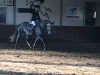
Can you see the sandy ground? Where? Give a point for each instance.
(31, 62)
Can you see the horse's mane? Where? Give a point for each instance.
(44, 23)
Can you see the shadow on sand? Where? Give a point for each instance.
(57, 45)
(20, 73)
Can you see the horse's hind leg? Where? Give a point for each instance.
(28, 42)
(17, 40)
(35, 42)
(43, 43)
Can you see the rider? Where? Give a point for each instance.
(35, 12)
(35, 15)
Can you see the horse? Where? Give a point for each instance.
(40, 31)
(24, 27)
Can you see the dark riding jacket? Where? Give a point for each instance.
(35, 16)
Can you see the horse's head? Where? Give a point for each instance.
(49, 27)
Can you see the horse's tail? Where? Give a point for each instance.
(12, 38)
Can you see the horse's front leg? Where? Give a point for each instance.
(43, 43)
(28, 42)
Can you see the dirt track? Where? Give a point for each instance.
(27, 62)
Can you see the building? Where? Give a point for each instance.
(76, 20)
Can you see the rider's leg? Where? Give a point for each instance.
(33, 23)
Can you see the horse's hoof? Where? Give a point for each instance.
(33, 48)
(44, 49)
(30, 48)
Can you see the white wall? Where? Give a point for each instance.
(68, 21)
(21, 17)
(9, 15)
(54, 5)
